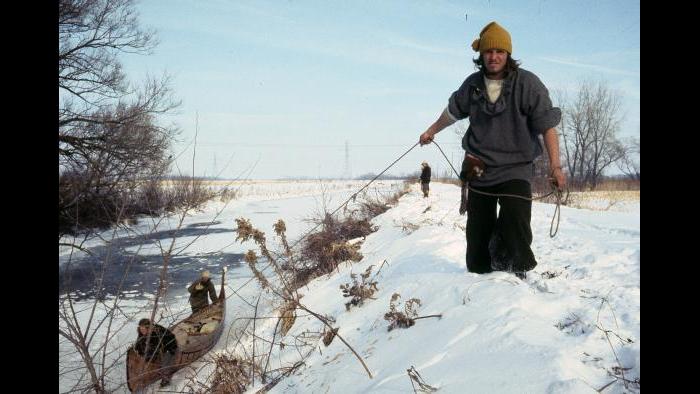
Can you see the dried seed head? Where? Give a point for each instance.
(251, 257)
(280, 227)
(244, 230)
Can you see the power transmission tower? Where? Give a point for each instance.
(346, 172)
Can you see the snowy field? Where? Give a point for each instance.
(571, 327)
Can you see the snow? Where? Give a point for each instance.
(497, 334)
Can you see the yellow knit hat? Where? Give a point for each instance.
(493, 36)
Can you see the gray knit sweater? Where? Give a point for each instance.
(504, 134)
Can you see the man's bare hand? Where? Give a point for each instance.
(559, 178)
(426, 138)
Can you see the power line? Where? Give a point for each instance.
(244, 145)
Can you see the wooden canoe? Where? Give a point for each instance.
(195, 335)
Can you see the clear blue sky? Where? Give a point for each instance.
(286, 83)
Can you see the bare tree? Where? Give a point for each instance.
(590, 125)
(109, 142)
(108, 135)
(629, 163)
(91, 34)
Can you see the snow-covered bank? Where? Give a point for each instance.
(497, 333)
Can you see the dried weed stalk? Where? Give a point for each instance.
(360, 291)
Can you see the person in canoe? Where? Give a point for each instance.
(200, 291)
(157, 343)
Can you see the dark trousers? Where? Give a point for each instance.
(198, 308)
(425, 187)
(500, 242)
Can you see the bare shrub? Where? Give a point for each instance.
(231, 375)
(227, 194)
(282, 287)
(190, 193)
(323, 251)
(403, 319)
(359, 291)
(408, 317)
(371, 207)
